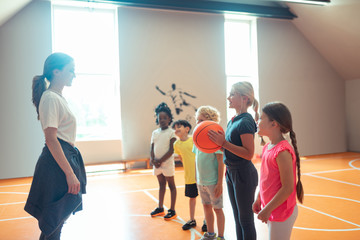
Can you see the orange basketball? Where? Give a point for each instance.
(201, 138)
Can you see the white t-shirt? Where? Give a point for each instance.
(54, 112)
(161, 140)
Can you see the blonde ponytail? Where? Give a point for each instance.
(256, 109)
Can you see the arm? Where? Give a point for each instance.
(245, 151)
(152, 154)
(168, 153)
(284, 161)
(257, 204)
(176, 151)
(219, 185)
(56, 151)
(157, 88)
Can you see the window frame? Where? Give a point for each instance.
(95, 131)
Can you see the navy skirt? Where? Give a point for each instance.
(48, 200)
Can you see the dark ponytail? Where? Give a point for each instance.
(280, 113)
(38, 87)
(299, 187)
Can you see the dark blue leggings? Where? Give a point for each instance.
(56, 234)
(53, 236)
(241, 187)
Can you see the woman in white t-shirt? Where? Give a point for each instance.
(59, 178)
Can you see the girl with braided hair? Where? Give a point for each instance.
(276, 201)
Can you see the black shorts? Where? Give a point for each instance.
(191, 190)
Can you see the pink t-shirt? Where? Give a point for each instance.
(270, 182)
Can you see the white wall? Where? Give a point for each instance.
(292, 71)
(94, 152)
(25, 42)
(353, 114)
(160, 48)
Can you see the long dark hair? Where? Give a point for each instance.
(278, 112)
(39, 85)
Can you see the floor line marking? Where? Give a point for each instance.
(148, 189)
(18, 185)
(116, 174)
(2, 204)
(14, 193)
(329, 196)
(329, 158)
(353, 184)
(329, 171)
(328, 230)
(135, 215)
(153, 198)
(329, 215)
(351, 163)
(182, 221)
(4, 220)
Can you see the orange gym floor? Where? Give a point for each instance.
(118, 204)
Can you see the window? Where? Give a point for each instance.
(240, 54)
(90, 36)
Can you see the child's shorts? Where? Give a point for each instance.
(191, 190)
(166, 171)
(207, 194)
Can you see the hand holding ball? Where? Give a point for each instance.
(201, 138)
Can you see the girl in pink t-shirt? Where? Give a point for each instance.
(276, 201)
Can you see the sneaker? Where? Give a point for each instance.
(207, 236)
(189, 224)
(157, 212)
(170, 215)
(204, 227)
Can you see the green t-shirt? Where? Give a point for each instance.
(206, 167)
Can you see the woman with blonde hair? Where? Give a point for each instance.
(238, 146)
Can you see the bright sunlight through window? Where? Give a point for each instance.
(90, 36)
(240, 54)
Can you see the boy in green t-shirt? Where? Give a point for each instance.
(209, 174)
(183, 147)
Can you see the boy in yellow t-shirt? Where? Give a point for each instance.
(183, 147)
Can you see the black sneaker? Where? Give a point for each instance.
(189, 224)
(170, 215)
(204, 227)
(157, 212)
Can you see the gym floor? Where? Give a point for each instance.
(118, 204)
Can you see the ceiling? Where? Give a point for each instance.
(10, 7)
(334, 29)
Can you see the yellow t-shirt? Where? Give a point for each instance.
(184, 149)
